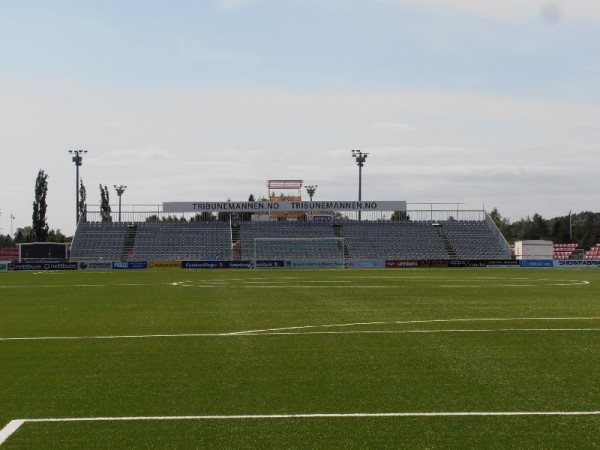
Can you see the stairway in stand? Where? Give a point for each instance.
(129, 243)
(452, 254)
(338, 232)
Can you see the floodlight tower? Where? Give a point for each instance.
(310, 190)
(12, 217)
(78, 160)
(120, 190)
(360, 158)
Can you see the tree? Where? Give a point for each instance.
(6, 241)
(82, 206)
(39, 224)
(502, 223)
(247, 216)
(203, 217)
(58, 236)
(399, 215)
(105, 205)
(24, 234)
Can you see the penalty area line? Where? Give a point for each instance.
(14, 425)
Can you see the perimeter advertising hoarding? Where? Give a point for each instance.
(130, 265)
(43, 266)
(216, 265)
(283, 206)
(4, 266)
(584, 263)
(365, 263)
(96, 265)
(407, 264)
(536, 263)
(164, 265)
(314, 264)
(466, 263)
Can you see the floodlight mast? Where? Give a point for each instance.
(360, 158)
(78, 160)
(12, 217)
(310, 190)
(120, 190)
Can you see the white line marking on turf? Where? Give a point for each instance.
(14, 425)
(408, 322)
(458, 330)
(9, 429)
(290, 330)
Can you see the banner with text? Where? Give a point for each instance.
(284, 206)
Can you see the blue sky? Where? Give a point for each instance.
(487, 103)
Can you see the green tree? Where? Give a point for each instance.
(560, 232)
(82, 206)
(105, 205)
(247, 216)
(6, 241)
(397, 216)
(57, 236)
(24, 234)
(203, 217)
(40, 224)
(502, 223)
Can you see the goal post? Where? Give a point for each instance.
(305, 252)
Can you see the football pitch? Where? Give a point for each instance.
(415, 358)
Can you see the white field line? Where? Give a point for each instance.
(329, 284)
(296, 329)
(14, 425)
(9, 429)
(409, 322)
(499, 330)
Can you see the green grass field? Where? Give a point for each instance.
(412, 358)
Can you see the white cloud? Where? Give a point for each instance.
(549, 11)
(233, 4)
(196, 52)
(214, 145)
(398, 127)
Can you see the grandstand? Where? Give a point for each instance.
(99, 241)
(339, 238)
(564, 251)
(285, 228)
(394, 240)
(9, 253)
(592, 253)
(203, 241)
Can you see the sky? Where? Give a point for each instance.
(484, 103)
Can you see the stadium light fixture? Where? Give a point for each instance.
(12, 217)
(360, 157)
(78, 160)
(120, 190)
(310, 190)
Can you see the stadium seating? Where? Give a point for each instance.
(97, 241)
(205, 241)
(393, 240)
(288, 240)
(563, 251)
(592, 253)
(474, 240)
(9, 253)
(300, 240)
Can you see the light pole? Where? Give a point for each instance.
(310, 190)
(11, 225)
(120, 189)
(78, 160)
(360, 158)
